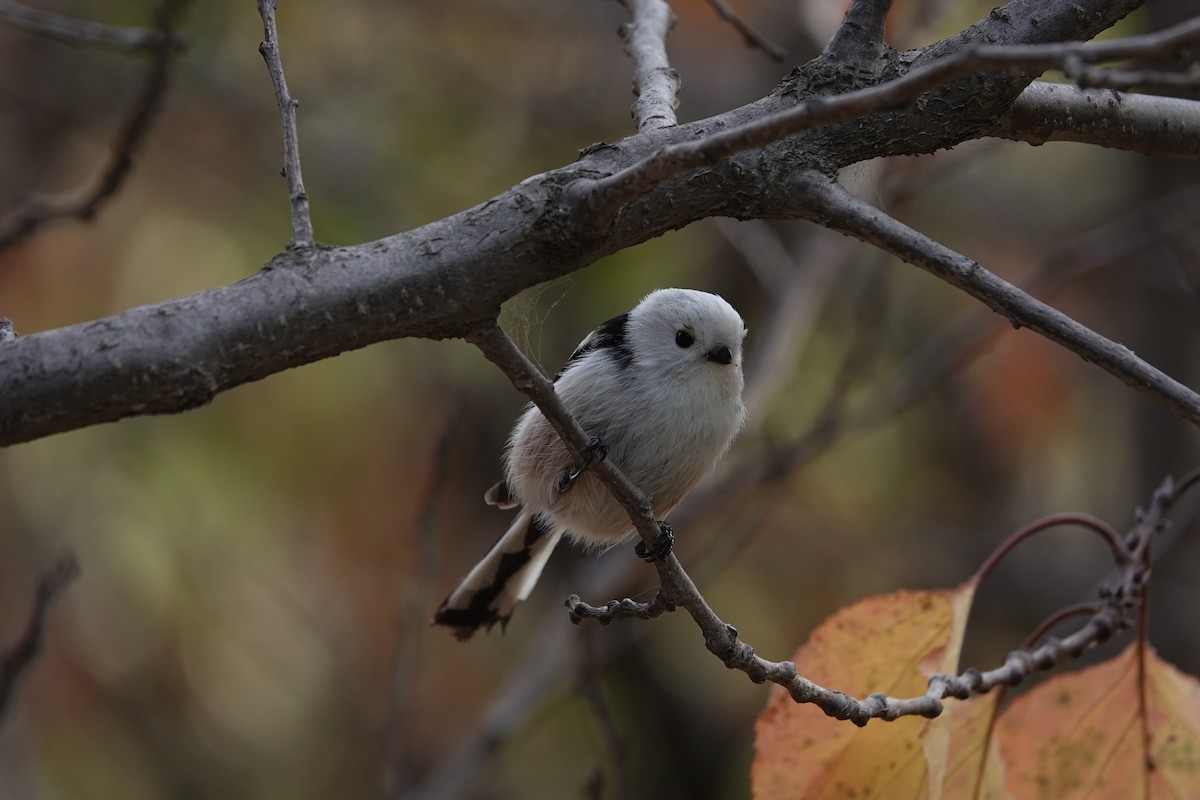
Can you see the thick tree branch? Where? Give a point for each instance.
(600, 199)
(858, 41)
(302, 230)
(446, 278)
(655, 83)
(1149, 124)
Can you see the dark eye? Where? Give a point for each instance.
(684, 338)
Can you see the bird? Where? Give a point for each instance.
(659, 391)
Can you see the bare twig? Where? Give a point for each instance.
(752, 36)
(498, 348)
(655, 83)
(842, 211)
(960, 341)
(31, 213)
(302, 230)
(678, 590)
(619, 609)
(86, 32)
(1117, 599)
(944, 353)
(17, 659)
(676, 587)
(600, 198)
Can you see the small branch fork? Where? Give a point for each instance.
(600, 199)
(17, 659)
(1117, 599)
(302, 230)
(859, 39)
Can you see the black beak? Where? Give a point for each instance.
(720, 354)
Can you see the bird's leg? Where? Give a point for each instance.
(661, 547)
(596, 451)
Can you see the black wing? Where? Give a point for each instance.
(611, 335)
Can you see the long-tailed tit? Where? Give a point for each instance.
(659, 389)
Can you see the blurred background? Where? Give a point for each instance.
(257, 576)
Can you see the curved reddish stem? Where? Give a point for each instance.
(1087, 521)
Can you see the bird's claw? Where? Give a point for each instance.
(596, 451)
(663, 543)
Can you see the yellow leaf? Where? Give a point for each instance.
(880, 644)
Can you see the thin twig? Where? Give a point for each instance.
(842, 211)
(85, 32)
(302, 230)
(721, 639)
(1117, 599)
(16, 660)
(31, 213)
(498, 348)
(619, 609)
(655, 83)
(944, 353)
(752, 36)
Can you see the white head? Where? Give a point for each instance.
(685, 331)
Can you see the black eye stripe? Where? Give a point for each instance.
(684, 338)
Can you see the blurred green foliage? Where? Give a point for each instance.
(252, 617)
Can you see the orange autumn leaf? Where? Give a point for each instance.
(1102, 733)
(888, 644)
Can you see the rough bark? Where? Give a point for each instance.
(446, 278)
